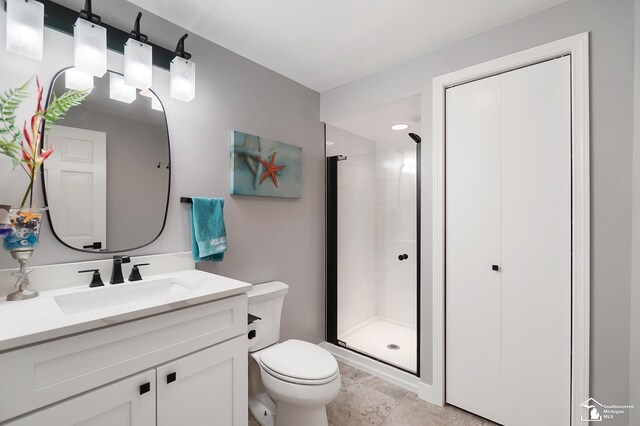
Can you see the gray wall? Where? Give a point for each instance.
(269, 239)
(634, 361)
(611, 27)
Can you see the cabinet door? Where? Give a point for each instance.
(129, 402)
(208, 387)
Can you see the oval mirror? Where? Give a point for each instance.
(107, 182)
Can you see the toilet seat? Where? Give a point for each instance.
(299, 362)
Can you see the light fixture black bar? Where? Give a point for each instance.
(180, 48)
(61, 18)
(136, 34)
(88, 15)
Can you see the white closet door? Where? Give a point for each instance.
(508, 203)
(536, 243)
(473, 245)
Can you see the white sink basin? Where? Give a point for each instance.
(121, 295)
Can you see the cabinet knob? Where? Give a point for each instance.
(495, 268)
(144, 388)
(171, 378)
(403, 256)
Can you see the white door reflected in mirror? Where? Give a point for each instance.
(76, 179)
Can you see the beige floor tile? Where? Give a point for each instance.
(367, 400)
(412, 411)
(358, 404)
(385, 387)
(354, 374)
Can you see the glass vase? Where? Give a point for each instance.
(21, 241)
(25, 228)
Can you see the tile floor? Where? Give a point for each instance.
(368, 400)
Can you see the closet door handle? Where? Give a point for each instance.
(495, 268)
(171, 378)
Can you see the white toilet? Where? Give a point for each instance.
(290, 383)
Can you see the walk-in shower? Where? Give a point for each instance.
(373, 246)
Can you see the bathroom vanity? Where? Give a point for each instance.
(169, 350)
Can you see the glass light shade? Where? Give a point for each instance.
(25, 28)
(77, 80)
(137, 64)
(90, 48)
(183, 79)
(119, 90)
(147, 93)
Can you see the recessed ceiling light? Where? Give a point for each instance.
(330, 143)
(399, 126)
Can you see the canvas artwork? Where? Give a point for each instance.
(265, 167)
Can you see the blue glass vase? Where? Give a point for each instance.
(24, 229)
(21, 241)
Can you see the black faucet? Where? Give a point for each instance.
(116, 272)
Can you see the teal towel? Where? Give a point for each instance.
(208, 234)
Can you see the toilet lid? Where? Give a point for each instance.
(300, 360)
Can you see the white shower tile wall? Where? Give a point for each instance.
(396, 213)
(376, 223)
(356, 227)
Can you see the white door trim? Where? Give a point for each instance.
(578, 47)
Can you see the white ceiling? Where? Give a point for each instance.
(373, 123)
(326, 43)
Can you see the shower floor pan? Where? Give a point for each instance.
(380, 337)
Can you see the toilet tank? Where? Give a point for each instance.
(265, 301)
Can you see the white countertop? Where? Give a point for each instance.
(36, 320)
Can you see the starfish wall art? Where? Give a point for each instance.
(265, 167)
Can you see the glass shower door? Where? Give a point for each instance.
(376, 251)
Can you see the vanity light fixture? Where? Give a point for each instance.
(119, 90)
(78, 80)
(147, 93)
(183, 74)
(138, 59)
(25, 28)
(399, 126)
(90, 43)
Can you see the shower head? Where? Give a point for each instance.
(415, 137)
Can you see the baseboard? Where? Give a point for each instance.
(425, 393)
(386, 372)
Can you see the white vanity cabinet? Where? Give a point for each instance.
(123, 403)
(187, 366)
(205, 388)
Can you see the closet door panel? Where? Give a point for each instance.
(536, 243)
(473, 245)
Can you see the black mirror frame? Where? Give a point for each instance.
(44, 187)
